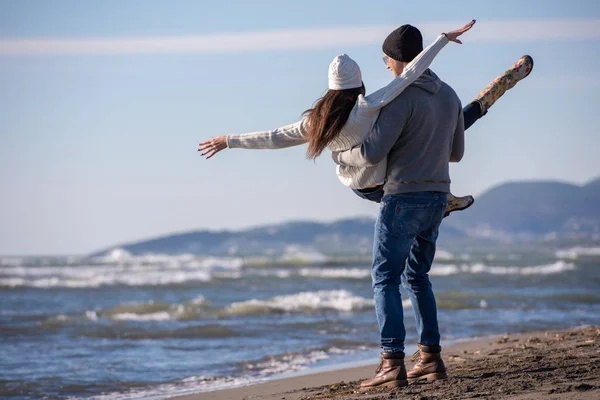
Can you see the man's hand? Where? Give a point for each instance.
(213, 146)
(453, 35)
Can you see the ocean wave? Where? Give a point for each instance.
(157, 316)
(250, 372)
(336, 273)
(286, 363)
(190, 332)
(150, 270)
(443, 255)
(270, 272)
(325, 300)
(153, 311)
(577, 252)
(303, 302)
(180, 387)
(302, 255)
(11, 261)
(480, 268)
(341, 301)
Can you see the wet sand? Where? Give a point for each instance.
(541, 365)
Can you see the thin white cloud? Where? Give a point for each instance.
(294, 39)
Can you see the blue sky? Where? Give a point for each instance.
(99, 126)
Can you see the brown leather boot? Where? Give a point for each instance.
(429, 364)
(390, 373)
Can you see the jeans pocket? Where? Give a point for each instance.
(409, 219)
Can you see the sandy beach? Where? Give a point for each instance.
(538, 365)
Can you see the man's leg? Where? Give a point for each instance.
(416, 281)
(399, 221)
(390, 251)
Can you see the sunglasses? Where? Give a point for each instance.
(386, 60)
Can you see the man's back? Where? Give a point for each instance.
(426, 121)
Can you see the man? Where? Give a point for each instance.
(421, 131)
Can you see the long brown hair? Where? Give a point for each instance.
(327, 118)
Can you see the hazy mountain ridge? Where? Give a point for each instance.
(535, 209)
(520, 211)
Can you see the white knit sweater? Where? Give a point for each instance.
(359, 124)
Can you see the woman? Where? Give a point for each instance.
(343, 117)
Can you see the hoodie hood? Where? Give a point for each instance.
(429, 82)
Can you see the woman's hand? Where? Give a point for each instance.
(453, 35)
(213, 146)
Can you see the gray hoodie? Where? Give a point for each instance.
(421, 131)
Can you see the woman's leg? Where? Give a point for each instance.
(471, 113)
(479, 107)
(488, 96)
(519, 71)
(373, 194)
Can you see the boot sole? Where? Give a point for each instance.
(459, 208)
(391, 384)
(430, 377)
(530, 61)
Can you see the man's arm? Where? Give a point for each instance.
(379, 142)
(458, 140)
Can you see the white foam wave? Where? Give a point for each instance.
(337, 300)
(182, 387)
(576, 252)
(443, 255)
(153, 311)
(272, 272)
(350, 273)
(137, 271)
(11, 261)
(480, 268)
(157, 316)
(254, 372)
(304, 302)
(303, 255)
(121, 256)
(287, 363)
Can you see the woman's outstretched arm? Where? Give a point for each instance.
(414, 69)
(280, 138)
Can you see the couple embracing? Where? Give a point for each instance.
(394, 147)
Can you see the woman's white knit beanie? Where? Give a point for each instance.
(344, 73)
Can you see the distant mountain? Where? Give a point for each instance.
(345, 237)
(533, 209)
(510, 212)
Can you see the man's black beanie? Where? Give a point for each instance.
(403, 44)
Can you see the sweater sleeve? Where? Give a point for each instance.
(286, 136)
(413, 70)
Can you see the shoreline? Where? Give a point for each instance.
(563, 364)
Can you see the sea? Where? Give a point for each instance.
(125, 326)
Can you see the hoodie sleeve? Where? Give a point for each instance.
(381, 139)
(458, 140)
(280, 138)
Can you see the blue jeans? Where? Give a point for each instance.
(404, 245)
(471, 113)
